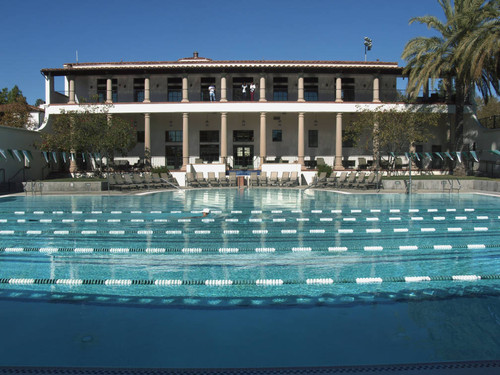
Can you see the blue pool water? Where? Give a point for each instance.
(270, 278)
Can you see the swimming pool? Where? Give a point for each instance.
(272, 277)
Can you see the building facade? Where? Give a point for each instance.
(261, 112)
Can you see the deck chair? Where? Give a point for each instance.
(370, 182)
(331, 181)
(149, 181)
(116, 183)
(320, 161)
(201, 180)
(320, 180)
(159, 181)
(263, 179)
(285, 178)
(362, 163)
(293, 180)
(130, 183)
(349, 181)
(232, 179)
(339, 180)
(191, 181)
(360, 179)
(222, 179)
(139, 180)
(212, 180)
(273, 179)
(254, 179)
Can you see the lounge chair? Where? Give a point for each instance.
(139, 180)
(212, 180)
(201, 180)
(285, 178)
(370, 182)
(320, 181)
(116, 183)
(349, 181)
(362, 164)
(233, 181)
(320, 161)
(191, 181)
(339, 180)
(222, 179)
(360, 179)
(130, 183)
(254, 179)
(293, 180)
(263, 179)
(273, 179)
(149, 181)
(160, 182)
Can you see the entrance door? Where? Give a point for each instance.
(173, 155)
(243, 156)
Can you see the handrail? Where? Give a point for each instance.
(15, 175)
(168, 182)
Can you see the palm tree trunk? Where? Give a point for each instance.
(458, 139)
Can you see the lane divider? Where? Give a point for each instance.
(191, 250)
(258, 282)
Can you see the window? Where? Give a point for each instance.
(348, 94)
(206, 82)
(211, 136)
(237, 89)
(209, 152)
(138, 89)
(311, 89)
(141, 136)
(313, 138)
(243, 136)
(173, 136)
(174, 89)
(102, 89)
(277, 135)
(280, 89)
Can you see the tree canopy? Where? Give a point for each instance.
(90, 129)
(393, 130)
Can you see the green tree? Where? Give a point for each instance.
(448, 55)
(90, 129)
(393, 130)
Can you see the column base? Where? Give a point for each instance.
(339, 101)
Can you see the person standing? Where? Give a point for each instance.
(252, 91)
(211, 90)
(244, 90)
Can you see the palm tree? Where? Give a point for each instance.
(450, 55)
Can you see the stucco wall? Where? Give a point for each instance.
(11, 169)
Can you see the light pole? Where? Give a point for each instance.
(368, 45)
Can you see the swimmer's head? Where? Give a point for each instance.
(205, 211)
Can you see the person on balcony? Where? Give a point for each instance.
(252, 91)
(244, 91)
(211, 90)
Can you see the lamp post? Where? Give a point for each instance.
(368, 45)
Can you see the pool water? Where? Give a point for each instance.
(271, 277)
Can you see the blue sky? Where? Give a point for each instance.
(47, 34)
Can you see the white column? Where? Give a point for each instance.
(147, 132)
(146, 91)
(300, 85)
(49, 88)
(71, 90)
(263, 145)
(184, 90)
(262, 88)
(376, 90)
(185, 140)
(338, 143)
(301, 139)
(223, 89)
(223, 137)
(109, 91)
(338, 90)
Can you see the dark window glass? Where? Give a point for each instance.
(141, 136)
(209, 152)
(311, 89)
(243, 136)
(138, 89)
(313, 138)
(347, 142)
(102, 87)
(280, 88)
(174, 89)
(277, 135)
(348, 93)
(211, 136)
(173, 136)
